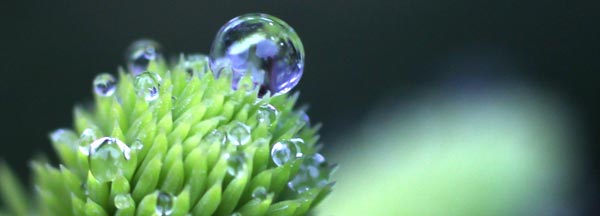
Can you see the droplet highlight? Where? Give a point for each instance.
(105, 85)
(236, 163)
(195, 65)
(313, 173)
(263, 46)
(147, 85)
(164, 204)
(140, 53)
(88, 136)
(123, 201)
(215, 136)
(108, 156)
(267, 114)
(238, 134)
(286, 150)
(260, 193)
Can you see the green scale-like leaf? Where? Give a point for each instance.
(171, 154)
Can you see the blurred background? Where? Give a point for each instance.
(430, 107)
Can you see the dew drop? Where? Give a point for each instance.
(105, 85)
(238, 134)
(123, 201)
(236, 214)
(262, 45)
(286, 150)
(313, 173)
(108, 156)
(140, 53)
(236, 163)
(195, 64)
(215, 136)
(164, 204)
(267, 113)
(260, 193)
(88, 136)
(147, 85)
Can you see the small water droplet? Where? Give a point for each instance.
(147, 85)
(123, 201)
(236, 163)
(267, 113)
(105, 85)
(286, 150)
(260, 193)
(140, 53)
(262, 45)
(313, 173)
(107, 158)
(88, 136)
(195, 64)
(215, 136)
(137, 145)
(236, 214)
(238, 134)
(164, 204)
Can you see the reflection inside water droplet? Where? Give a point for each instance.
(262, 45)
(140, 53)
(105, 85)
(108, 156)
(164, 204)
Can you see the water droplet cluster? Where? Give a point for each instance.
(245, 131)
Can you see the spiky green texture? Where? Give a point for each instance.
(175, 158)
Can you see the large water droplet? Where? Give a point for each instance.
(140, 53)
(108, 156)
(313, 173)
(267, 113)
(286, 150)
(238, 134)
(236, 214)
(88, 136)
(123, 201)
(147, 85)
(164, 204)
(260, 193)
(262, 45)
(215, 136)
(105, 85)
(195, 64)
(236, 163)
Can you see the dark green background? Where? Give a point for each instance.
(358, 54)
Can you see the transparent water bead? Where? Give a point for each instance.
(140, 53)
(105, 85)
(88, 136)
(238, 134)
(286, 150)
(123, 201)
(312, 173)
(260, 193)
(195, 64)
(262, 45)
(215, 136)
(107, 158)
(147, 85)
(236, 163)
(267, 113)
(164, 204)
